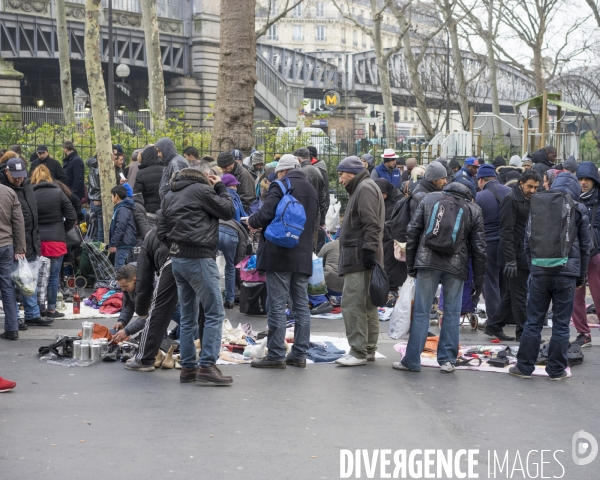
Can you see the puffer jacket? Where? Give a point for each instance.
(94, 193)
(315, 178)
(123, 232)
(472, 245)
(172, 161)
(147, 180)
(586, 170)
(579, 255)
(56, 214)
(191, 212)
(504, 170)
(152, 257)
(363, 224)
(489, 200)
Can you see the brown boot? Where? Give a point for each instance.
(188, 375)
(212, 375)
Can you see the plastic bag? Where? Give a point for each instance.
(43, 278)
(399, 251)
(332, 218)
(402, 313)
(379, 286)
(316, 283)
(25, 276)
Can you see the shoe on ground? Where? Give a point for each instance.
(132, 364)
(584, 340)
(39, 322)
(500, 335)
(10, 335)
(562, 376)
(447, 368)
(295, 361)
(213, 375)
(43, 313)
(371, 357)
(228, 305)
(399, 366)
(55, 314)
(6, 385)
(351, 361)
(515, 372)
(266, 362)
(188, 375)
(22, 326)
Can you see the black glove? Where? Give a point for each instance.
(475, 294)
(580, 282)
(368, 258)
(510, 269)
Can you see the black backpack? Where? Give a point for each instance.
(397, 225)
(552, 229)
(445, 231)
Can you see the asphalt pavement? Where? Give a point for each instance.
(103, 421)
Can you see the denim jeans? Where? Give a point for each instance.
(122, 256)
(198, 282)
(543, 289)
(7, 289)
(30, 305)
(425, 290)
(54, 280)
(280, 287)
(97, 210)
(228, 242)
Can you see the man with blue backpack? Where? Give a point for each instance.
(287, 218)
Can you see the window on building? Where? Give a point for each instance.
(354, 37)
(364, 40)
(297, 11)
(297, 33)
(273, 7)
(272, 33)
(320, 33)
(320, 8)
(343, 35)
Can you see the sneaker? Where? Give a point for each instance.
(39, 322)
(584, 340)
(371, 357)
(399, 366)
(6, 385)
(295, 361)
(266, 362)
(228, 305)
(447, 368)
(188, 375)
(22, 326)
(44, 313)
(131, 364)
(213, 375)
(55, 314)
(10, 335)
(515, 372)
(350, 361)
(562, 376)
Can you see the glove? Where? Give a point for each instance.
(475, 294)
(368, 258)
(510, 269)
(580, 282)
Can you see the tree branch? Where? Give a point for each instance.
(270, 22)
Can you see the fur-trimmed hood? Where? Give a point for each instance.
(508, 168)
(187, 176)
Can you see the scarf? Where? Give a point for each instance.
(237, 205)
(587, 195)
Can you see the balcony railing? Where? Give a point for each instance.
(171, 9)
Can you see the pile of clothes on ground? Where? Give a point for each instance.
(108, 300)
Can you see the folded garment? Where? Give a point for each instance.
(325, 352)
(315, 300)
(112, 304)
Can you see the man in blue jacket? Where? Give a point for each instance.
(489, 199)
(388, 169)
(560, 289)
(469, 169)
(123, 233)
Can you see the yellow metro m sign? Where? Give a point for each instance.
(332, 100)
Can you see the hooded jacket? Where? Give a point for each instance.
(245, 189)
(30, 214)
(541, 164)
(75, 172)
(370, 161)
(502, 171)
(55, 168)
(56, 214)
(589, 170)
(514, 213)
(454, 163)
(148, 178)
(141, 220)
(499, 161)
(363, 224)
(123, 232)
(94, 193)
(472, 245)
(191, 211)
(315, 178)
(579, 255)
(172, 161)
(489, 200)
(391, 175)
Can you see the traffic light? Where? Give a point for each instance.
(396, 117)
(377, 114)
(384, 118)
(373, 113)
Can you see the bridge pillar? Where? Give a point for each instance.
(10, 91)
(185, 94)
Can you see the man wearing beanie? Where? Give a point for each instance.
(494, 286)
(361, 237)
(257, 163)
(226, 161)
(454, 165)
(288, 269)
(434, 181)
(570, 164)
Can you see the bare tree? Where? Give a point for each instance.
(595, 10)
(156, 79)
(62, 35)
(273, 9)
(99, 106)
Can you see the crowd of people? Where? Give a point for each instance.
(466, 225)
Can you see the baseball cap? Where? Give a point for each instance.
(42, 148)
(17, 167)
(472, 161)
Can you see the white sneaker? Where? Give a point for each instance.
(399, 366)
(447, 368)
(351, 361)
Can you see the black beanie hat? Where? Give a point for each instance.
(225, 159)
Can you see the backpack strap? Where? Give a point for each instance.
(495, 195)
(283, 189)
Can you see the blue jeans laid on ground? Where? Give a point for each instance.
(425, 290)
(7, 289)
(122, 256)
(30, 305)
(198, 282)
(54, 280)
(228, 242)
(280, 287)
(542, 289)
(97, 210)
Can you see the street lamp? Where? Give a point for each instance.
(40, 103)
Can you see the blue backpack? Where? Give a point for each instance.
(288, 224)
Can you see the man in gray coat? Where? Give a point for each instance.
(361, 245)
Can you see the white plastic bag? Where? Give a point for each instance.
(316, 283)
(402, 313)
(332, 219)
(25, 276)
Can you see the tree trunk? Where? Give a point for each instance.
(99, 105)
(463, 100)
(234, 105)
(489, 42)
(156, 81)
(66, 89)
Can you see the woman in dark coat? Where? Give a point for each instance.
(147, 180)
(395, 270)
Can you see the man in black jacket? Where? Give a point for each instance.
(147, 182)
(74, 170)
(543, 160)
(288, 269)
(190, 225)
(435, 179)
(514, 212)
(44, 158)
(315, 178)
(430, 267)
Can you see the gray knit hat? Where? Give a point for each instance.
(351, 165)
(570, 164)
(435, 171)
(257, 157)
(287, 162)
